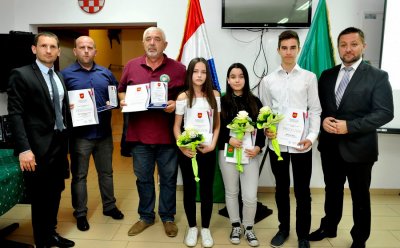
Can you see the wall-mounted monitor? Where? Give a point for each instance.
(266, 13)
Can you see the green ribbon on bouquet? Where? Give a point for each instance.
(275, 143)
(240, 125)
(239, 166)
(195, 166)
(190, 138)
(267, 119)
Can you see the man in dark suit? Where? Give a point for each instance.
(38, 109)
(348, 140)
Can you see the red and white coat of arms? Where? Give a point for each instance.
(91, 6)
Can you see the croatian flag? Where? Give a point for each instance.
(195, 41)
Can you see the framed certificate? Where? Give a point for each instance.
(112, 95)
(158, 95)
(113, 100)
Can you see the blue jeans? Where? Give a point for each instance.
(102, 150)
(145, 158)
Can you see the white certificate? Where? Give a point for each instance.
(136, 98)
(84, 111)
(291, 128)
(248, 142)
(158, 95)
(202, 121)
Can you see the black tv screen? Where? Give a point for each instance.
(266, 13)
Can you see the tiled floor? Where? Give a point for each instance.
(108, 233)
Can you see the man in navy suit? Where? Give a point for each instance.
(348, 140)
(35, 94)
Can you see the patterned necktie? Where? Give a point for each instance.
(56, 102)
(343, 84)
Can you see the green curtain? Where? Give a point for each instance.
(317, 53)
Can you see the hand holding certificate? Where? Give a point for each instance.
(240, 125)
(291, 128)
(190, 138)
(267, 119)
(136, 98)
(112, 96)
(84, 111)
(202, 121)
(158, 95)
(141, 97)
(231, 154)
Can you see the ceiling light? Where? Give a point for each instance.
(305, 6)
(284, 20)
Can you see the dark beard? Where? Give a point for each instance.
(352, 61)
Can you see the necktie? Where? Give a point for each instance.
(56, 102)
(343, 84)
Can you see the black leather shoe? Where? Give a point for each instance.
(279, 238)
(320, 234)
(58, 241)
(303, 243)
(114, 213)
(357, 245)
(82, 223)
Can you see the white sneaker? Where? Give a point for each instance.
(206, 238)
(235, 235)
(251, 237)
(191, 237)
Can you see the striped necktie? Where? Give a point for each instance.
(343, 84)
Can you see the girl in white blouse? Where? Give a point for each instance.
(199, 107)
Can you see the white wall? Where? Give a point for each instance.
(228, 46)
(7, 16)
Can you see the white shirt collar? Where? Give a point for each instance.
(295, 68)
(44, 69)
(354, 65)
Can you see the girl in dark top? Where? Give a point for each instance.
(239, 97)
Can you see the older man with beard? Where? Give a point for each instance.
(150, 132)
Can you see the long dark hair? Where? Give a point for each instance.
(248, 97)
(207, 88)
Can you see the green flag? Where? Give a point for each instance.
(317, 53)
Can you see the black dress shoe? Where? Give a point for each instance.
(82, 223)
(58, 241)
(357, 245)
(279, 238)
(114, 213)
(303, 243)
(320, 234)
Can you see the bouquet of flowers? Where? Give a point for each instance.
(240, 125)
(267, 119)
(190, 138)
